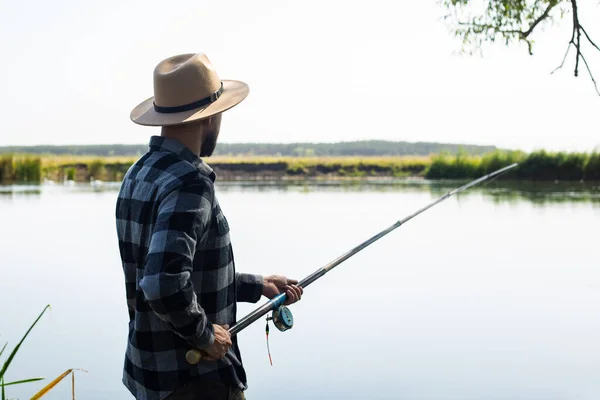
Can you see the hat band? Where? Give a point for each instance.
(187, 107)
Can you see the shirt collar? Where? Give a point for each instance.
(162, 143)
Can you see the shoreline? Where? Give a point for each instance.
(537, 166)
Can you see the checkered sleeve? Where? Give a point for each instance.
(181, 221)
(248, 287)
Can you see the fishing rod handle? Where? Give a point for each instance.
(194, 356)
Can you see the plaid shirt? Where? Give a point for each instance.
(179, 272)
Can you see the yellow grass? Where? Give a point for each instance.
(56, 161)
(55, 382)
(49, 160)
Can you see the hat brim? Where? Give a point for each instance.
(233, 93)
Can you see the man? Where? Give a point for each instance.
(180, 276)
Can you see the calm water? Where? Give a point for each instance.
(494, 294)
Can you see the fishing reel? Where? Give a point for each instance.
(282, 318)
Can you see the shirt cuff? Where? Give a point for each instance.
(249, 287)
(206, 338)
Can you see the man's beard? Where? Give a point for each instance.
(208, 144)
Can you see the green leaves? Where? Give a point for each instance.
(12, 356)
(23, 381)
(511, 20)
(18, 346)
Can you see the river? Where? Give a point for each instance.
(493, 294)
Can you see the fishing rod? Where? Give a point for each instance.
(282, 316)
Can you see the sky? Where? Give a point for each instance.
(320, 71)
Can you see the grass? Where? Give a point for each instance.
(12, 355)
(539, 165)
(85, 168)
(592, 168)
(20, 168)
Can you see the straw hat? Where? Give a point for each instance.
(187, 88)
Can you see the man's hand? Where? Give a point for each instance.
(220, 346)
(277, 284)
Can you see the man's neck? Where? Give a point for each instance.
(188, 137)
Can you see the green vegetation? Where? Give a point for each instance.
(20, 168)
(6, 168)
(540, 165)
(514, 21)
(320, 166)
(462, 166)
(84, 169)
(592, 168)
(10, 358)
(28, 169)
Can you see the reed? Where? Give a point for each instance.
(538, 165)
(20, 168)
(498, 159)
(28, 169)
(6, 168)
(591, 171)
(12, 355)
(460, 166)
(543, 165)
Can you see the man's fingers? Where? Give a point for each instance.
(298, 292)
(294, 294)
(290, 297)
(292, 281)
(208, 357)
(215, 354)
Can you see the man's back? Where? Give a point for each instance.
(179, 272)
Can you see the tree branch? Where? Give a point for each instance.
(523, 34)
(588, 38)
(540, 19)
(490, 26)
(591, 76)
(577, 43)
(496, 23)
(563, 61)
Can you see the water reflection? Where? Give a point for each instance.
(538, 193)
(10, 190)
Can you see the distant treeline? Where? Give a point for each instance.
(358, 148)
(539, 165)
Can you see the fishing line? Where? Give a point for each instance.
(268, 349)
